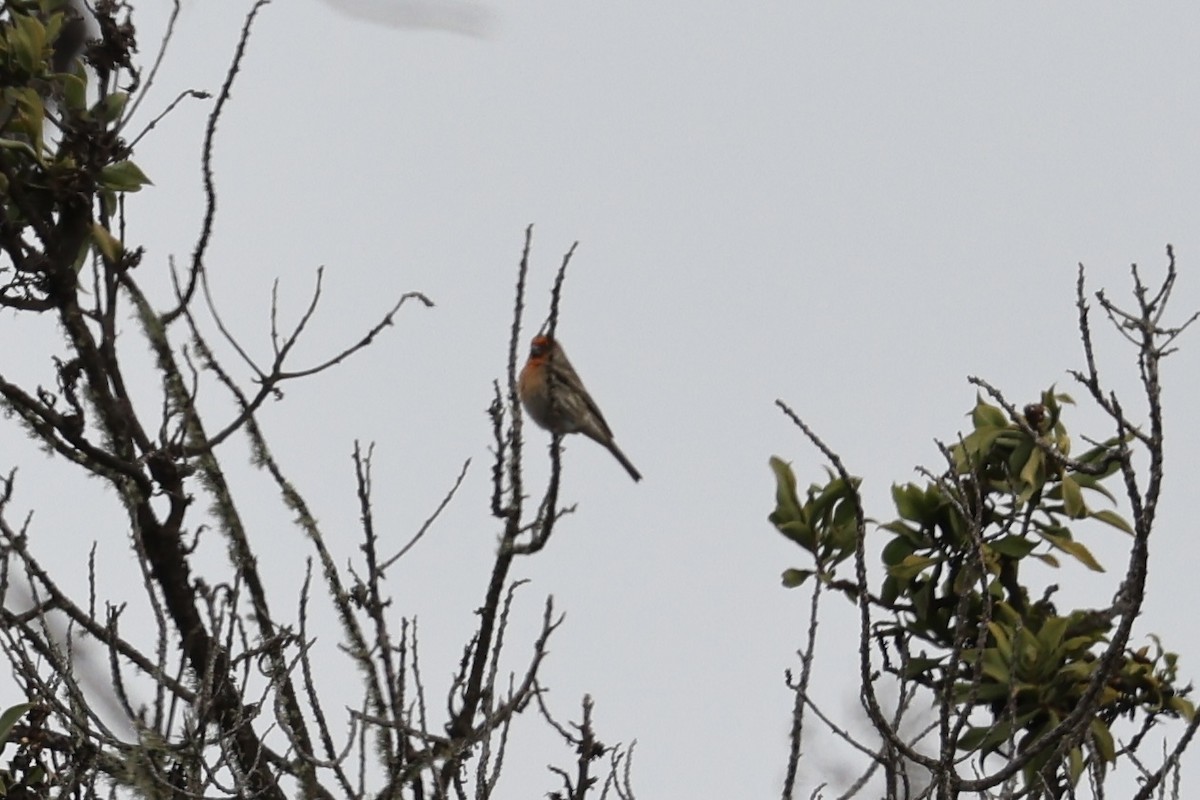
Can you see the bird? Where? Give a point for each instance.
(554, 396)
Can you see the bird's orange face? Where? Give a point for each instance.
(540, 347)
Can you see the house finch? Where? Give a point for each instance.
(557, 400)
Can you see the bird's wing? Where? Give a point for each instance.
(571, 380)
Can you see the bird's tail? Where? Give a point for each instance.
(625, 462)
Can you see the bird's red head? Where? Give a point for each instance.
(541, 346)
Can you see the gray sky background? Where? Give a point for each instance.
(848, 206)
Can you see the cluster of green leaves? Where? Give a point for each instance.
(824, 524)
(953, 584)
(1036, 669)
(60, 142)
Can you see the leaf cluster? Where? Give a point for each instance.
(956, 597)
(61, 145)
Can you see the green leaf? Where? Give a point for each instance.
(1183, 707)
(26, 41)
(1075, 762)
(987, 416)
(53, 25)
(1073, 498)
(1079, 671)
(972, 738)
(787, 503)
(75, 91)
(996, 666)
(124, 176)
(911, 566)
(845, 510)
(986, 692)
(919, 665)
(896, 551)
(1114, 519)
(1013, 546)
(1046, 558)
(800, 533)
(108, 198)
(840, 541)
(1102, 740)
(985, 739)
(113, 106)
(31, 114)
(1002, 638)
(976, 447)
(822, 498)
(1076, 549)
(1031, 470)
(909, 500)
(906, 531)
(1051, 634)
(108, 245)
(18, 144)
(890, 590)
(85, 250)
(1006, 614)
(794, 577)
(1025, 647)
(10, 717)
(1092, 483)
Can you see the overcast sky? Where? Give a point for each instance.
(851, 207)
